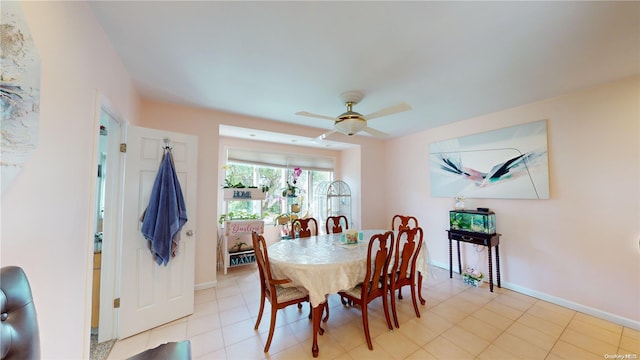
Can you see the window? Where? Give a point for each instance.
(275, 179)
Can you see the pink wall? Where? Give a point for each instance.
(580, 248)
(47, 222)
(374, 186)
(351, 171)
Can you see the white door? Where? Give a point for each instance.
(152, 294)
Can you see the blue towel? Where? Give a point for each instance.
(166, 213)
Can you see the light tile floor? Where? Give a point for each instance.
(457, 322)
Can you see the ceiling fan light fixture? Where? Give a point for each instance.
(351, 122)
(350, 125)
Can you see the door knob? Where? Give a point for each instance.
(189, 232)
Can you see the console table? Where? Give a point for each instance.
(488, 240)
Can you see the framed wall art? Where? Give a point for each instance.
(19, 92)
(508, 163)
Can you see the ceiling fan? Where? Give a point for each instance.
(351, 122)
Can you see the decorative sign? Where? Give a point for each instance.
(244, 194)
(241, 259)
(241, 194)
(233, 227)
(19, 92)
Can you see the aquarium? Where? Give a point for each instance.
(473, 221)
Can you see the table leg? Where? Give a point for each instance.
(498, 264)
(450, 260)
(316, 317)
(459, 262)
(490, 270)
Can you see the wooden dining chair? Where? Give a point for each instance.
(376, 280)
(403, 273)
(336, 224)
(304, 227)
(399, 222)
(271, 289)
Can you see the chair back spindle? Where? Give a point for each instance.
(336, 224)
(305, 227)
(404, 271)
(399, 222)
(374, 284)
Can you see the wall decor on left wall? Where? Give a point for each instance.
(19, 92)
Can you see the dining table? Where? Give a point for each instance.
(323, 265)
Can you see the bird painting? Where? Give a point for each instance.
(512, 168)
(507, 163)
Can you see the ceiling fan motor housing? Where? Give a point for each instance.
(353, 96)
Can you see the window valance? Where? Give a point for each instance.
(277, 159)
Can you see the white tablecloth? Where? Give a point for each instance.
(323, 265)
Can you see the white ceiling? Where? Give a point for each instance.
(449, 60)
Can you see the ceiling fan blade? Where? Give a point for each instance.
(388, 111)
(374, 132)
(304, 113)
(324, 136)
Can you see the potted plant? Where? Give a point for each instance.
(292, 190)
(242, 215)
(239, 246)
(281, 219)
(230, 181)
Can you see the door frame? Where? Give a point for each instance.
(112, 225)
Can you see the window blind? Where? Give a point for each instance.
(276, 159)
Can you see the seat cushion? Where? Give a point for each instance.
(284, 294)
(355, 291)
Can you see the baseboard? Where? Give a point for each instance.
(574, 306)
(562, 302)
(440, 265)
(207, 285)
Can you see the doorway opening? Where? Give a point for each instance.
(105, 233)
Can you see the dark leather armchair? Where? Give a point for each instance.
(19, 334)
(169, 351)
